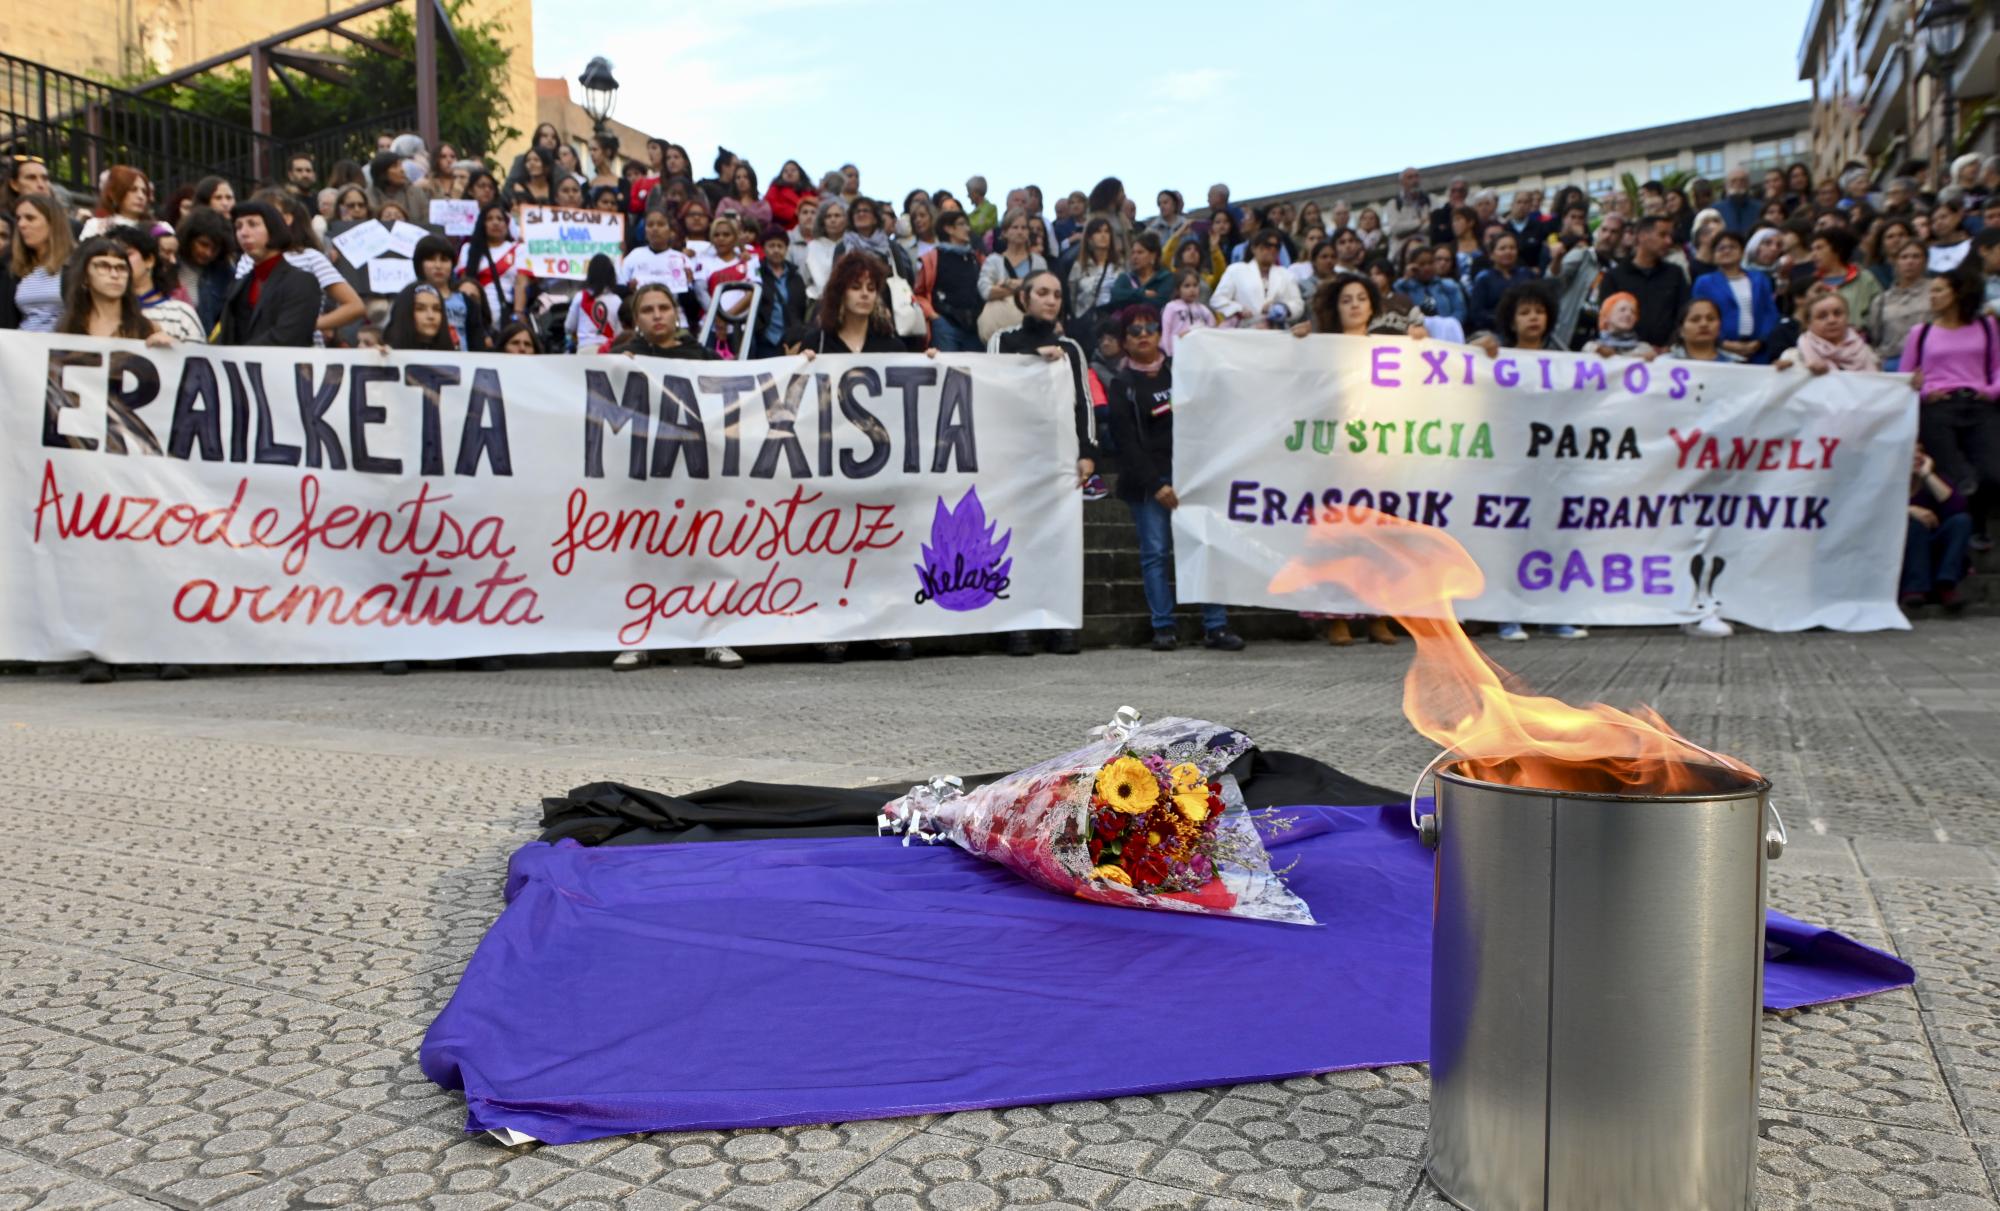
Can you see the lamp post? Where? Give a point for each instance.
(600, 91)
(1942, 24)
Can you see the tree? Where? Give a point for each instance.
(472, 100)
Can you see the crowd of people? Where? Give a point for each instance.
(1783, 270)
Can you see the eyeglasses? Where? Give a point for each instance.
(110, 266)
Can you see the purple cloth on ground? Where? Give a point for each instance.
(763, 983)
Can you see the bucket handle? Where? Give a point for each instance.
(1426, 824)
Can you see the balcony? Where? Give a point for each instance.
(1885, 107)
(1882, 27)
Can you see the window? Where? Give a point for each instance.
(1708, 163)
(1600, 180)
(1660, 169)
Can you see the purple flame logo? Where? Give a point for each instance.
(964, 567)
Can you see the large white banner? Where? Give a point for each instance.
(273, 506)
(1588, 490)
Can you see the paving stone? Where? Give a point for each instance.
(233, 905)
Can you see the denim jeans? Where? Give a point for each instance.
(950, 338)
(1936, 558)
(1156, 537)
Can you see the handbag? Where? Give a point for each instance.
(998, 314)
(909, 317)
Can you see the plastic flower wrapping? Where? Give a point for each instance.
(1145, 816)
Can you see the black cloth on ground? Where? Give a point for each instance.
(611, 813)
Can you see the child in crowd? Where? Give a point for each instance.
(1940, 533)
(1830, 342)
(1185, 313)
(1618, 329)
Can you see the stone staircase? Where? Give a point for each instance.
(1114, 597)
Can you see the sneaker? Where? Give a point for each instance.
(1563, 630)
(96, 672)
(1981, 542)
(173, 672)
(395, 668)
(900, 649)
(721, 658)
(1064, 644)
(1020, 643)
(625, 662)
(1710, 627)
(1165, 641)
(1949, 598)
(1222, 640)
(1094, 489)
(832, 653)
(1513, 632)
(1913, 601)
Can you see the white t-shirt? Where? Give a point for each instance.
(504, 288)
(1746, 323)
(1946, 257)
(669, 265)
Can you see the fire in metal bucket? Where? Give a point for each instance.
(1470, 706)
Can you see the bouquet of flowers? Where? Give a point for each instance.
(1143, 816)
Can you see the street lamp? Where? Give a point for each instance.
(1942, 23)
(600, 91)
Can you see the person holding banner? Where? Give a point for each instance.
(417, 321)
(464, 306)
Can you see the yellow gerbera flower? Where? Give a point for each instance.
(1128, 786)
(1111, 874)
(1187, 777)
(1193, 804)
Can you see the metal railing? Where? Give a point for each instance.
(82, 127)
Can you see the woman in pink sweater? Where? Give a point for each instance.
(1954, 363)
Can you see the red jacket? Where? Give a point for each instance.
(784, 202)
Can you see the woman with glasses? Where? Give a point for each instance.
(100, 302)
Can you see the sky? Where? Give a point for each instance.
(1064, 94)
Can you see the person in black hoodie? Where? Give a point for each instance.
(276, 303)
(1142, 430)
(656, 327)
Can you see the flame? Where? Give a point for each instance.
(1471, 706)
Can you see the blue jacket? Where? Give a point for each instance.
(1487, 288)
(1739, 214)
(1763, 307)
(1446, 296)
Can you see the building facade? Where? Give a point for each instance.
(1770, 137)
(1880, 98)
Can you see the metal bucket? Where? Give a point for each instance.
(1597, 978)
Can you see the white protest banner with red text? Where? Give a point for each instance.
(266, 506)
(1589, 490)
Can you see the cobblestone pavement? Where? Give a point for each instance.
(232, 905)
